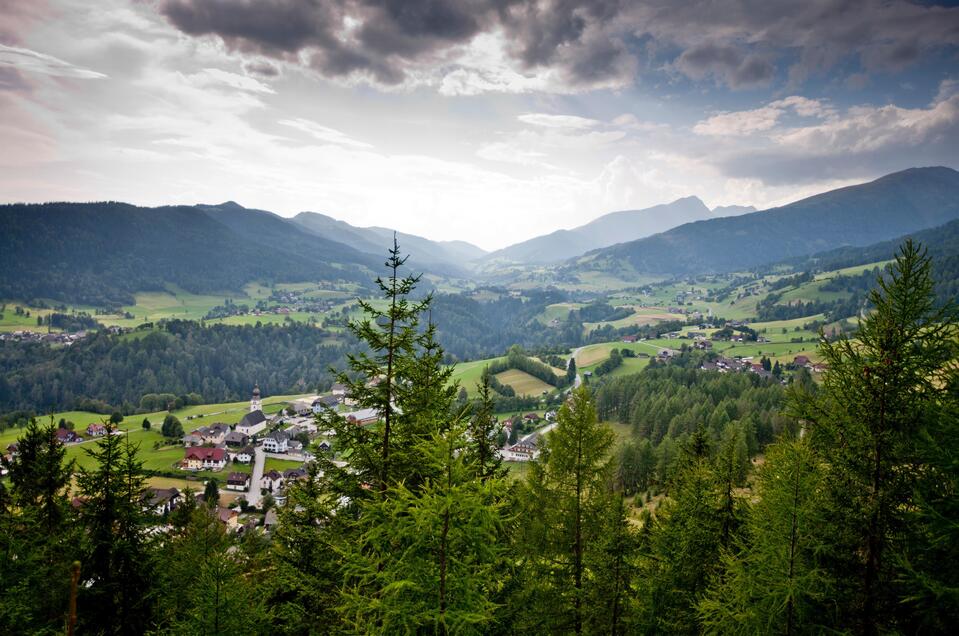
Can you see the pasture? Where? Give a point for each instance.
(523, 383)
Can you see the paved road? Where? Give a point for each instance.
(259, 460)
(579, 378)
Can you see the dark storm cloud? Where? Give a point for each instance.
(261, 68)
(735, 42)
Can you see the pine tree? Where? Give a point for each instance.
(376, 381)
(771, 581)
(115, 568)
(482, 434)
(878, 399)
(566, 504)
(38, 540)
(426, 560)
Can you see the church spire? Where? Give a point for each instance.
(255, 404)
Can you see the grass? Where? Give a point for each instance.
(592, 355)
(643, 316)
(273, 463)
(523, 383)
(469, 373)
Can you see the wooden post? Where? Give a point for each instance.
(74, 579)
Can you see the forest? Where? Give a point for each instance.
(733, 506)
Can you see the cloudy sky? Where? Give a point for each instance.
(485, 120)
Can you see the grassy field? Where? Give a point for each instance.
(558, 311)
(523, 383)
(592, 355)
(469, 373)
(272, 463)
(643, 316)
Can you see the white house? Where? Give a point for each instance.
(244, 456)
(276, 442)
(272, 481)
(237, 481)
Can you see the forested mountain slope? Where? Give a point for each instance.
(101, 253)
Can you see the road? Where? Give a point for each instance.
(579, 379)
(259, 461)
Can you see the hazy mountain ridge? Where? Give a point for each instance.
(609, 229)
(375, 240)
(889, 207)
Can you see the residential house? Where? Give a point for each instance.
(276, 442)
(235, 439)
(302, 407)
(272, 481)
(203, 458)
(629, 338)
(96, 430)
(801, 361)
(703, 344)
(237, 481)
(524, 450)
(245, 455)
(159, 501)
(293, 474)
(324, 445)
(213, 435)
(191, 439)
(252, 423)
(229, 517)
(325, 402)
(339, 390)
(294, 446)
(66, 436)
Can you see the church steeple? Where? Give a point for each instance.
(255, 404)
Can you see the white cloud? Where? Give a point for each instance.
(558, 121)
(35, 62)
(217, 77)
(324, 133)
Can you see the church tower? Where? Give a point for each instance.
(255, 404)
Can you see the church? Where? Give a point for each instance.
(254, 421)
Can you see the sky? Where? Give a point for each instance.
(490, 121)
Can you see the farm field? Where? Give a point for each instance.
(469, 373)
(558, 311)
(643, 316)
(592, 355)
(523, 383)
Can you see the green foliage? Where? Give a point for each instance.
(171, 427)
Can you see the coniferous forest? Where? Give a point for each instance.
(731, 504)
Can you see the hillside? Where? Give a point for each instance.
(371, 240)
(889, 207)
(608, 229)
(101, 253)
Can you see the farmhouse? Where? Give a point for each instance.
(524, 450)
(252, 423)
(191, 439)
(212, 435)
(237, 481)
(200, 458)
(96, 430)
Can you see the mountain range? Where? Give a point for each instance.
(889, 207)
(449, 255)
(609, 229)
(102, 253)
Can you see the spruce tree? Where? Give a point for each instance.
(771, 581)
(879, 398)
(565, 505)
(482, 432)
(115, 568)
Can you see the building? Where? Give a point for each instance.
(339, 390)
(230, 518)
(252, 423)
(255, 403)
(272, 481)
(801, 361)
(525, 450)
(363, 416)
(202, 458)
(245, 455)
(66, 436)
(212, 435)
(237, 481)
(159, 501)
(236, 439)
(276, 442)
(325, 401)
(191, 439)
(96, 430)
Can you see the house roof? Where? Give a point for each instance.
(236, 436)
(279, 436)
(155, 496)
(252, 418)
(273, 474)
(201, 453)
(237, 478)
